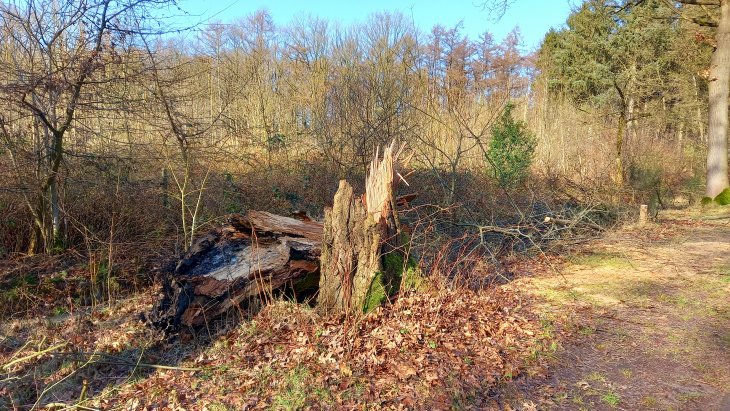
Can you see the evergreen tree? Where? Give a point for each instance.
(511, 149)
(613, 59)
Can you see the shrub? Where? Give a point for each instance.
(511, 149)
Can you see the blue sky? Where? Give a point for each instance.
(533, 17)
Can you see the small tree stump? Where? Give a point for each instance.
(643, 215)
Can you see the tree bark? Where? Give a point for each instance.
(358, 232)
(719, 90)
(619, 149)
(620, 135)
(350, 252)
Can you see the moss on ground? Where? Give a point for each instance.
(724, 197)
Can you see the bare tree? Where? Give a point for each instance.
(58, 52)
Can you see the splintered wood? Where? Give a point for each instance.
(381, 180)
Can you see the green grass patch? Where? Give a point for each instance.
(562, 296)
(643, 288)
(611, 398)
(586, 330)
(678, 300)
(297, 391)
(724, 272)
(602, 260)
(596, 376)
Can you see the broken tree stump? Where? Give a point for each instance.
(350, 252)
(358, 232)
(245, 258)
(255, 255)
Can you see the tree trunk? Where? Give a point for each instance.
(620, 135)
(350, 252)
(719, 90)
(250, 257)
(619, 149)
(55, 215)
(631, 123)
(700, 119)
(358, 232)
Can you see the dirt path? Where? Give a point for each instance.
(650, 316)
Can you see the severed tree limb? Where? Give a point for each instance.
(573, 223)
(33, 355)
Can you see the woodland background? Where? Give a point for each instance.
(506, 271)
(121, 141)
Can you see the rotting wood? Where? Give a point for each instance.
(249, 256)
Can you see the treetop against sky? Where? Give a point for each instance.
(533, 17)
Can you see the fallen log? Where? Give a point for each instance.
(249, 256)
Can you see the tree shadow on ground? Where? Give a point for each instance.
(82, 358)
